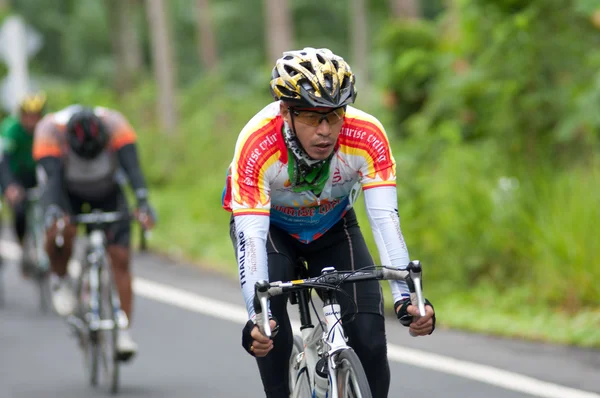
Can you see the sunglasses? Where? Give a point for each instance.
(313, 118)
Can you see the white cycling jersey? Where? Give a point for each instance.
(258, 192)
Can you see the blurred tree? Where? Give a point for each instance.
(163, 65)
(76, 38)
(126, 43)
(279, 28)
(408, 9)
(359, 40)
(451, 25)
(207, 46)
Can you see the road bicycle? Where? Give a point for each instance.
(322, 364)
(98, 317)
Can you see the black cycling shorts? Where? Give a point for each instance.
(118, 233)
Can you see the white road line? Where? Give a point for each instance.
(229, 312)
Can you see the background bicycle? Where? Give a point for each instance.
(36, 264)
(98, 317)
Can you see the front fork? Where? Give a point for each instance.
(335, 339)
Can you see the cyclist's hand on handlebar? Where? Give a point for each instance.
(256, 343)
(261, 344)
(421, 326)
(14, 193)
(409, 316)
(145, 214)
(53, 215)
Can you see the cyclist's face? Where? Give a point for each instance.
(30, 120)
(317, 129)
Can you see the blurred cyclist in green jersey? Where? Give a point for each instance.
(17, 167)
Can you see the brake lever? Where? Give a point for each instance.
(261, 295)
(416, 295)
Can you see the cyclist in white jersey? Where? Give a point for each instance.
(298, 166)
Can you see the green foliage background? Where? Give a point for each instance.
(491, 108)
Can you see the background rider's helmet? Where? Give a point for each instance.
(33, 103)
(313, 78)
(86, 134)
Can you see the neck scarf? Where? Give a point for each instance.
(306, 174)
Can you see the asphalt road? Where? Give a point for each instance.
(187, 323)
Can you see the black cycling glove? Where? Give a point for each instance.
(404, 317)
(247, 339)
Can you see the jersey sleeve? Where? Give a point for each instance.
(9, 139)
(249, 173)
(379, 166)
(247, 196)
(120, 130)
(250, 238)
(46, 142)
(367, 145)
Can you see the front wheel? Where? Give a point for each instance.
(37, 262)
(351, 379)
(110, 336)
(87, 339)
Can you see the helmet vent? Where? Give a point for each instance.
(328, 82)
(308, 66)
(344, 83)
(286, 91)
(290, 70)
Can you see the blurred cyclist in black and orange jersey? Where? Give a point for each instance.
(80, 150)
(17, 167)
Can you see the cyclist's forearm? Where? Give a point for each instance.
(381, 205)
(6, 175)
(251, 237)
(53, 190)
(128, 158)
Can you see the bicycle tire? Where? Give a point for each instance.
(36, 258)
(94, 351)
(351, 378)
(109, 337)
(93, 357)
(83, 337)
(43, 272)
